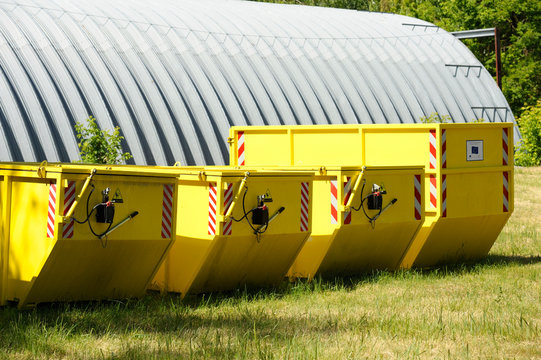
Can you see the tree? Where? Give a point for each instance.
(529, 149)
(99, 146)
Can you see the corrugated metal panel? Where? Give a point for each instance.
(175, 75)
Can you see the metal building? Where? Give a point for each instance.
(176, 74)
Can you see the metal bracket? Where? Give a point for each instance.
(229, 212)
(78, 198)
(413, 26)
(456, 66)
(41, 169)
(347, 206)
(495, 108)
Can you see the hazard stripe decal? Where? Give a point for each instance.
(240, 148)
(505, 146)
(51, 210)
(444, 195)
(305, 202)
(212, 209)
(167, 211)
(433, 191)
(432, 149)
(444, 148)
(228, 200)
(506, 191)
(334, 202)
(69, 199)
(347, 194)
(417, 193)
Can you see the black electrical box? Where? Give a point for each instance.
(105, 213)
(260, 215)
(374, 202)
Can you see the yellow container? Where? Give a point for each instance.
(46, 256)
(468, 173)
(344, 241)
(212, 252)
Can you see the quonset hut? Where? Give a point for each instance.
(175, 75)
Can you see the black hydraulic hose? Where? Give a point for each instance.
(362, 200)
(245, 216)
(245, 213)
(87, 202)
(89, 213)
(361, 206)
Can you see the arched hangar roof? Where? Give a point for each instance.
(175, 75)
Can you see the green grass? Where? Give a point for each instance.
(490, 309)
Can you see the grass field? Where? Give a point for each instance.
(490, 309)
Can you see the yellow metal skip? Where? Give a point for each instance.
(345, 242)
(213, 252)
(468, 177)
(48, 257)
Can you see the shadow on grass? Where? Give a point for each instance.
(233, 311)
(511, 259)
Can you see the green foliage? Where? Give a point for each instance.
(479, 120)
(435, 118)
(519, 22)
(529, 150)
(99, 146)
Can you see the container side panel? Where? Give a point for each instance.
(474, 147)
(85, 270)
(266, 148)
(360, 246)
(407, 147)
(460, 239)
(201, 262)
(143, 197)
(474, 194)
(30, 245)
(339, 146)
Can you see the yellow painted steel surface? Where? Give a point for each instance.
(46, 257)
(207, 257)
(344, 241)
(468, 183)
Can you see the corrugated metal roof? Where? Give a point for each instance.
(175, 75)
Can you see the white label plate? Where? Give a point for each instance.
(474, 150)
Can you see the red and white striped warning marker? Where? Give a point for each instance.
(51, 211)
(444, 148)
(228, 200)
(432, 149)
(505, 146)
(167, 210)
(506, 191)
(212, 209)
(305, 202)
(69, 199)
(347, 194)
(240, 148)
(334, 202)
(444, 195)
(417, 185)
(433, 191)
